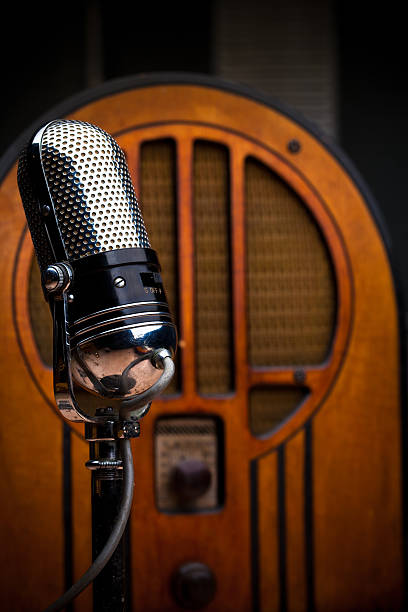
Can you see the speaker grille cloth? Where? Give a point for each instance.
(158, 197)
(212, 266)
(291, 287)
(269, 406)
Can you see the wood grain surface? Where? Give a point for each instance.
(313, 517)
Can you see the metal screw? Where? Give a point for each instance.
(294, 146)
(45, 210)
(299, 376)
(119, 282)
(128, 429)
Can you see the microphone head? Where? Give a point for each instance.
(85, 173)
(92, 247)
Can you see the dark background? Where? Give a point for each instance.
(51, 51)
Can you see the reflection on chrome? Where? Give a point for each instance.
(121, 364)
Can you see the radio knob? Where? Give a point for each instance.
(194, 585)
(190, 479)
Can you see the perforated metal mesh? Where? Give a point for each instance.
(93, 195)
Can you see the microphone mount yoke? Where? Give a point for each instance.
(57, 283)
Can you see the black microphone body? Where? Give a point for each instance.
(112, 324)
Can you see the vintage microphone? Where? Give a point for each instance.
(114, 338)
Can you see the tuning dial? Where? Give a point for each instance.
(190, 479)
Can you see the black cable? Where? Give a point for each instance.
(114, 538)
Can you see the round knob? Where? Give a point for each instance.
(53, 278)
(194, 585)
(57, 277)
(190, 479)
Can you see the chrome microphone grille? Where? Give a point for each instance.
(89, 182)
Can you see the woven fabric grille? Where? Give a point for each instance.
(269, 406)
(291, 286)
(212, 265)
(158, 196)
(158, 202)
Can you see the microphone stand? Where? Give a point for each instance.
(111, 588)
(100, 311)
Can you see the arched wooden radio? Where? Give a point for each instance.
(288, 388)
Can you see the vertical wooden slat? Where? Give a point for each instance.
(237, 173)
(186, 265)
(268, 528)
(295, 525)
